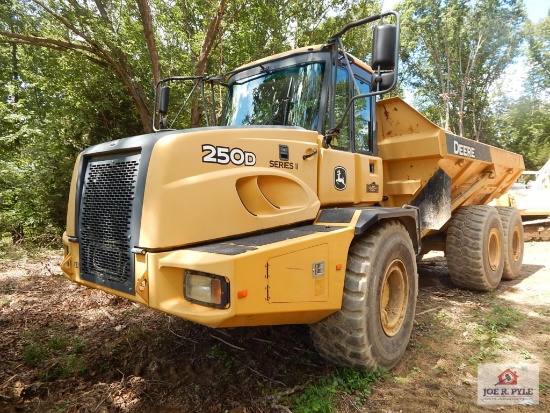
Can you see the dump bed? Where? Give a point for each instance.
(435, 170)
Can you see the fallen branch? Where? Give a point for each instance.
(180, 336)
(262, 340)
(275, 398)
(429, 311)
(265, 377)
(229, 344)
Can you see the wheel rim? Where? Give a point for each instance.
(493, 249)
(516, 245)
(394, 298)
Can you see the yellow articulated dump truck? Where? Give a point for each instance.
(307, 199)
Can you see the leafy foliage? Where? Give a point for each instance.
(523, 126)
(319, 397)
(538, 53)
(74, 73)
(454, 51)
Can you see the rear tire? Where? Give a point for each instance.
(373, 327)
(475, 248)
(512, 227)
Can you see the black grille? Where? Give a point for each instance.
(108, 195)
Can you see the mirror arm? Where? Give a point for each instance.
(351, 25)
(204, 104)
(335, 40)
(215, 121)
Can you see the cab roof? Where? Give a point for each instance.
(298, 51)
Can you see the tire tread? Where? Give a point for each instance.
(342, 337)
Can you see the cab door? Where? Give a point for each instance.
(348, 172)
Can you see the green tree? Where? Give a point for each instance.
(523, 124)
(50, 112)
(103, 33)
(454, 51)
(76, 73)
(538, 54)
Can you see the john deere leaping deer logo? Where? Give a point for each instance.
(340, 178)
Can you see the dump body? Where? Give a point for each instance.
(435, 170)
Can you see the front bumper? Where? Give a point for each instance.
(291, 276)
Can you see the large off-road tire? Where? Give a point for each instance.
(373, 327)
(512, 227)
(475, 248)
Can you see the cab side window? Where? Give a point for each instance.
(340, 103)
(355, 135)
(362, 124)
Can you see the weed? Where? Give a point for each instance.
(218, 353)
(483, 354)
(61, 356)
(34, 355)
(315, 399)
(444, 315)
(8, 251)
(421, 327)
(501, 319)
(64, 367)
(421, 345)
(440, 369)
(58, 343)
(526, 354)
(487, 331)
(159, 342)
(318, 397)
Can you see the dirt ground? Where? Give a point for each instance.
(65, 348)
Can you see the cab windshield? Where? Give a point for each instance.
(289, 96)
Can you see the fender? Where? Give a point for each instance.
(408, 215)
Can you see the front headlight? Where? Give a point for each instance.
(206, 289)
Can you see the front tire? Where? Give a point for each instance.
(373, 327)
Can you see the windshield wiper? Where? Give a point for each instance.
(287, 103)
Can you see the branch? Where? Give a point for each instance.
(45, 41)
(147, 21)
(69, 26)
(225, 342)
(92, 59)
(111, 54)
(209, 38)
(103, 13)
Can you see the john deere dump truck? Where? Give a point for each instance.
(308, 200)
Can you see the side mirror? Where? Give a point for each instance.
(164, 99)
(384, 47)
(382, 81)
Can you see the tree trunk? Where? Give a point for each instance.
(147, 21)
(207, 44)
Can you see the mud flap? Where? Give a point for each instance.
(434, 201)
